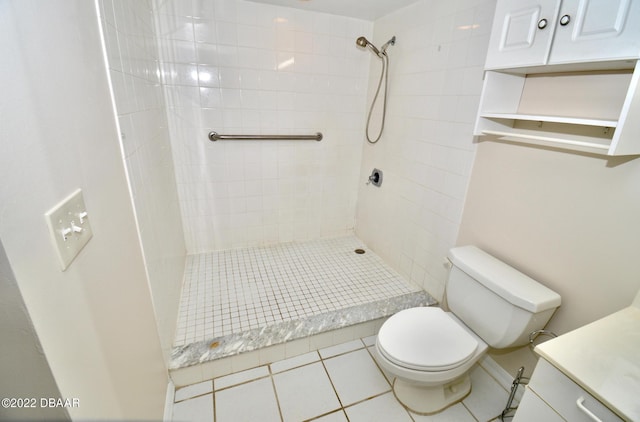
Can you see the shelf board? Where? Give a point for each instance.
(552, 119)
(547, 140)
(629, 63)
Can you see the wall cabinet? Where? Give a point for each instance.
(552, 396)
(539, 32)
(565, 74)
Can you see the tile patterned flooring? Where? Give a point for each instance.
(341, 383)
(234, 291)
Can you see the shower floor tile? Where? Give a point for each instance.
(244, 299)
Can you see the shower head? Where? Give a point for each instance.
(363, 42)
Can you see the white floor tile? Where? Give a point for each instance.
(455, 413)
(487, 398)
(193, 391)
(388, 375)
(199, 409)
(356, 377)
(369, 341)
(240, 377)
(254, 401)
(341, 348)
(338, 416)
(383, 408)
(294, 362)
(305, 392)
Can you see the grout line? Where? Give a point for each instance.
(243, 382)
(275, 392)
(342, 408)
(370, 398)
(193, 397)
(315, 418)
(332, 385)
(378, 366)
(469, 410)
(213, 393)
(342, 353)
(295, 367)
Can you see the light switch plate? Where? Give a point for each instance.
(69, 227)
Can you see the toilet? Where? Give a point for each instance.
(430, 352)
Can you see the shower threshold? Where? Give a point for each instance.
(243, 300)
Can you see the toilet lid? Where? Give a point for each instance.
(425, 338)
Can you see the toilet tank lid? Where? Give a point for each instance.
(504, 280)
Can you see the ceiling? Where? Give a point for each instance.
(362, 9)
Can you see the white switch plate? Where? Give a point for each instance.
(69, 227)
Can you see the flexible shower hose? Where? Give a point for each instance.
(383, 75)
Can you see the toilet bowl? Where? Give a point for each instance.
(430, 352)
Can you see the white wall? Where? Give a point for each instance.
(23, 361)
(567, 220)
(134, 65)
(240, 67)
(95, 320)
(427, 150)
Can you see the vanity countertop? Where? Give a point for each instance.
(603, 358)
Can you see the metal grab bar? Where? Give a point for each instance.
(215, 136)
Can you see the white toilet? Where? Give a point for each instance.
(430, 352)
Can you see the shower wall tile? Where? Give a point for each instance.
(133, 60)
(240, 67)
(427, 150)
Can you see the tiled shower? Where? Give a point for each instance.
(239, 67)
(182, 68)
(237, 290)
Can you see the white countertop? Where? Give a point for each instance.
(603, 358)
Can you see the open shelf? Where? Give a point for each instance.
(582, 136)
(585, 111)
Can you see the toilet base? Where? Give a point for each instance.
(427, 400)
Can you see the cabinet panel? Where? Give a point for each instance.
(596, 30)
(522, 32)
(567, 397)
(533, 409)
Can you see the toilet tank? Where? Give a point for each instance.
(498, 302)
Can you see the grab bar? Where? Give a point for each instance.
(215, 136)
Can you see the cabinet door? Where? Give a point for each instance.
(590, 30)
(522, 32)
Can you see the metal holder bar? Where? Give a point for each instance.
(534, 335)
(519, 380)
(215, 136)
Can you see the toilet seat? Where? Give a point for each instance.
(425, 339)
